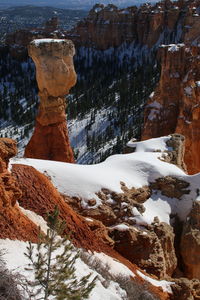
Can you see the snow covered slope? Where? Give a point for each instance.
(19, 263)
(87, 263)
(137, 170)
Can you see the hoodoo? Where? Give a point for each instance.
(55, 76)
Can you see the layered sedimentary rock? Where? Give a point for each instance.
(116, 26)
(13, 224)
(147, 25)
(55, 76)
(174, 106)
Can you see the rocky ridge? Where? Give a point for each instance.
(148, 25)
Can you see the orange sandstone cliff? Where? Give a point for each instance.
(142, 25)
(109, 26)
(13, 223)
(148, 25)
(55, 76)
(174, 106)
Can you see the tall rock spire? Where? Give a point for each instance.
(55, 76)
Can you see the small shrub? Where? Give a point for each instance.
(11, 284)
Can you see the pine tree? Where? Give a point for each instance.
(53, 265)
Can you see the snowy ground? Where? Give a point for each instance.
(137, 169)
(19, 263)
(108, 289)
(78, 135)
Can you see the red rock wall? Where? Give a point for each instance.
(13, 224)
(108, 26)
(174, 107)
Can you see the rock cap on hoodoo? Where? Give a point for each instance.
(54, 66)
(51, 46)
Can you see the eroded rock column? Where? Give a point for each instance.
(55, 76)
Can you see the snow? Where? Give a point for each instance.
(188, 90)
(38, 220)
(84, 181)
(125, 12)
(113, 292)
(151, 95)
(136, 169)
(172, 47)
(114, 266)
(37, 42)
(154, 104)
(155, 108)
(98, 9)
(150, 145)
(152, 115)
(120, 227)
(166, 285)
(157, 205)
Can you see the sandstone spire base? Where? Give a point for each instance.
(51, 143)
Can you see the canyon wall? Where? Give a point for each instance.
(109, 26)
(174, 106)
(55, 76)
(148, 25)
